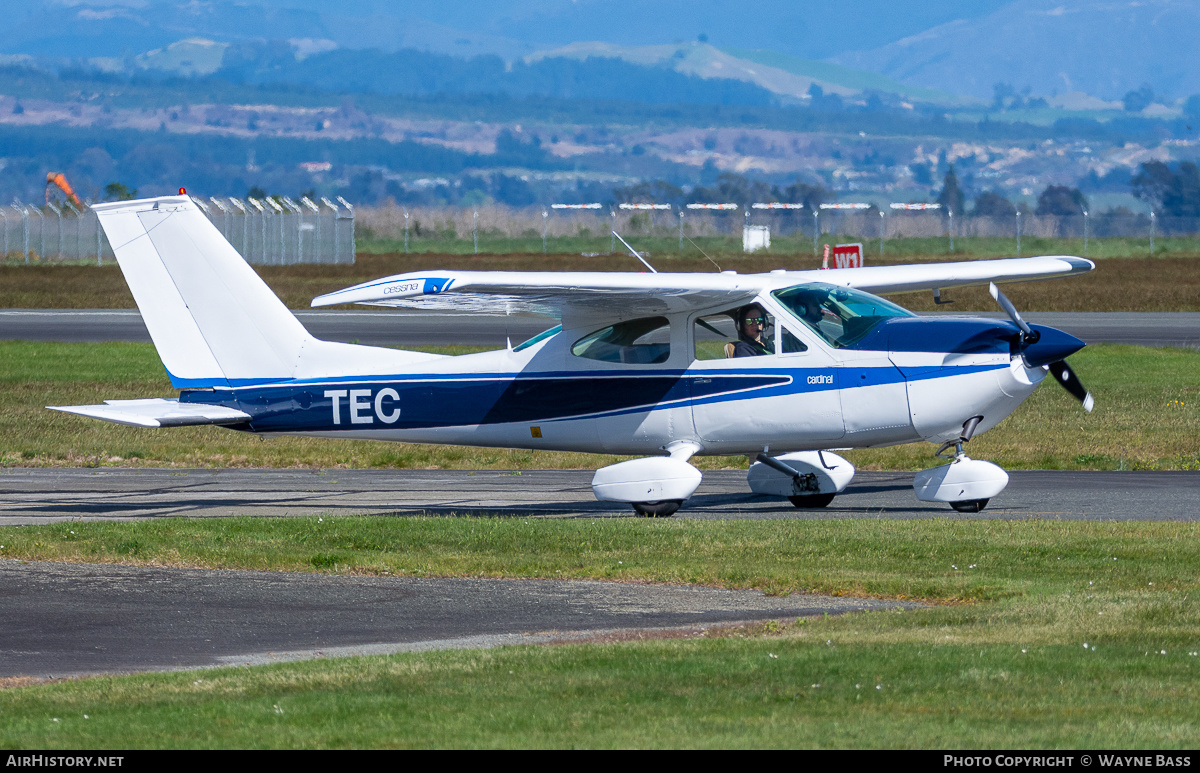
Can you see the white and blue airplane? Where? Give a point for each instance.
(641, 364)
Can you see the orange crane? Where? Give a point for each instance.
(59, 179)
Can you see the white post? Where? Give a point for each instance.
(57, 212)
(41, 231)
(350, 209)
(882, 228)
(24, 231)
(1018, 233)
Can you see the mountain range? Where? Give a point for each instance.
(934, 52)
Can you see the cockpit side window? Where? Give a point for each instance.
(791, 343)
(644, 341)
(840, 315)
(723, 336)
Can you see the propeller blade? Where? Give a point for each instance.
(1030, 336)
(1064, 375)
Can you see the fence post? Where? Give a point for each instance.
(475, 232)
(882, 228)
(1018, 233)
(41, 231)
(545, 222)
(24, 231)
(262, 215)
(78, 230)
(1152, 234)
(5, 216)
(1085, 233)
(816, 229)
(242, 209)
(58, 213)
(950, 212)
(681, 230)
(406, 232)
(350, 209)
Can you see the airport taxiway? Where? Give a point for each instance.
(72, 619)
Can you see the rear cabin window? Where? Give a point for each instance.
(644, 341)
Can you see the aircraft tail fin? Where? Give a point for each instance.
(212, 319)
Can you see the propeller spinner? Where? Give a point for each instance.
(1058, 367)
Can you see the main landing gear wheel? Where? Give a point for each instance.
(812, 500)
(657, 509)
(969, 505)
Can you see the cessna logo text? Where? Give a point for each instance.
(361, 408)
(407, 287)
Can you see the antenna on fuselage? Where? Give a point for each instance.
(635, 253)
(702, 252)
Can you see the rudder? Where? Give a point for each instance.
(213, 321)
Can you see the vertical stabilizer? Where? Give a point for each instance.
(212, 319)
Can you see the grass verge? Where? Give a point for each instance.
(1051, 634)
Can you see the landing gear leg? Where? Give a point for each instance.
(966, 484)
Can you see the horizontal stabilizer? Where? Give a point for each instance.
(157, 412)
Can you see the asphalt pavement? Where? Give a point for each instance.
(73, 619)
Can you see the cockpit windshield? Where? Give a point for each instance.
(840, 315)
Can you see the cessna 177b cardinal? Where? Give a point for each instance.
(642, 364)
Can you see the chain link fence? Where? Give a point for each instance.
(266, 232)
(285, 232)
(279, 231)
(413, 226)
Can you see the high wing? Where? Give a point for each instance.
(565, 295)
(929, 276)
(571, 296)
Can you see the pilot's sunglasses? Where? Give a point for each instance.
(754, 320)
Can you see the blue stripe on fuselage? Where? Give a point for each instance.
(446, 401)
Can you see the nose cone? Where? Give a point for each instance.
(1053, 346)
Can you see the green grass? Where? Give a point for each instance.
(1147, 417)
(1000, 663)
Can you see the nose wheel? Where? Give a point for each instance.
(657, 509)
(812, 501)
(966, 484)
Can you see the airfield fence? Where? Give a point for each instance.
(270, 233)
(285, 232)
(425, 227)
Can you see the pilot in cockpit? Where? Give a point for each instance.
(751, 322)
